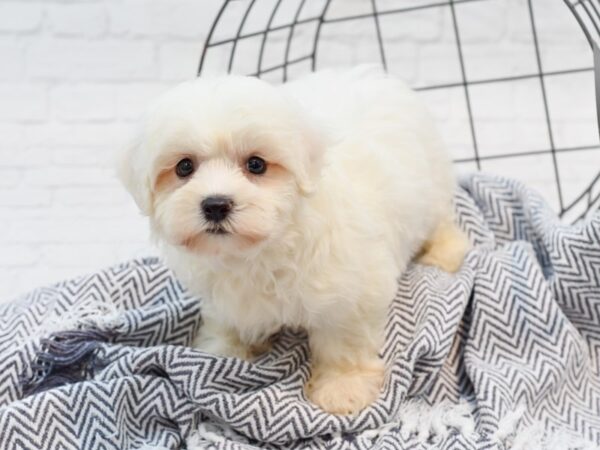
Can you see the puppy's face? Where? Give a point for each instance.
(221, 164)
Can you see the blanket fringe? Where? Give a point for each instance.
(63, 358)
(212, 435)
(425, 424)
(88, 314)
(429, 425)
(538, 437)
(514, 434)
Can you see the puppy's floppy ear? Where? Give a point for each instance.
(133, 174)
(314, 144)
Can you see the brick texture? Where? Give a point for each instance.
(75, 77)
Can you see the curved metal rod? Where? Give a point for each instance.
(587, 192)
(210, 35)
(264, 39)
(288, 44)
(585, 27)
(589, 9)
(238, 34)
(379, 36)
(313, 66)
(581, 23)
(591, 201)
(538, 59)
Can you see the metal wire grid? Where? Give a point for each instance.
(586, 12)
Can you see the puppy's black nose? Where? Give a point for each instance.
(215, 208)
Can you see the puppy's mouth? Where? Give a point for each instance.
(217, 230)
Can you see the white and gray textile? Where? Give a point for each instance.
(475, 360)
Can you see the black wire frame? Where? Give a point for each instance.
(586, 12)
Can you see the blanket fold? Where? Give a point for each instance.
(503, 354)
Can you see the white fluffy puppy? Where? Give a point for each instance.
(297, 205)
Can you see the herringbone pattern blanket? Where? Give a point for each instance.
(504, 354)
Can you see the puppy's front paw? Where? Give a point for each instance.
(226, 342)
(346, 390)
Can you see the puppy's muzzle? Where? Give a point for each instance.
(216, 208)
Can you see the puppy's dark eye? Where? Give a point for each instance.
(184, 168)
(256, 165)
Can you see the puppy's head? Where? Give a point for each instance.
(220, 164)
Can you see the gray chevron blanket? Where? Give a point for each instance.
(504, 354)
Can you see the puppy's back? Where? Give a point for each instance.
(344, 101)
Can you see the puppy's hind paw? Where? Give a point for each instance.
(446, 248)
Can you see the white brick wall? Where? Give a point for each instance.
(75, 77)
(20, 16)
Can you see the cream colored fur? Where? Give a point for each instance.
(359, 183)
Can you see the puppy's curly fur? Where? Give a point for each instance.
(356, 184)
